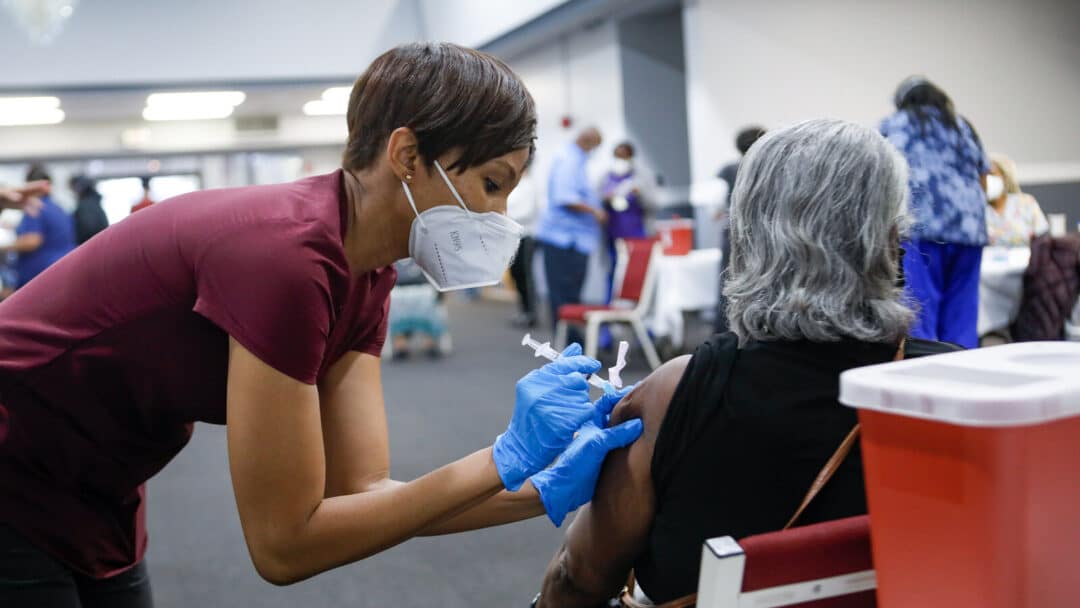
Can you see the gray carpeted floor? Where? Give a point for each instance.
(438, 411)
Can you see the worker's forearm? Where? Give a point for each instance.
(18, 247)
(579, 208)
(345, 529)
(502, 508)
(27, 243)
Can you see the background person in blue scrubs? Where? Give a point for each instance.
(948, 203)
(43, 236)
(569, 230)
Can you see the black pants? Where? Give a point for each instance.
(564, 269)
(521, 271)
(30, 578)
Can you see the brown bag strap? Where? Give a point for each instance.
(826, 473)
(626, 597)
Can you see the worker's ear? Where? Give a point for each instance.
(403, 152)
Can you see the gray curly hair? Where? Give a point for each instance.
(817, 212)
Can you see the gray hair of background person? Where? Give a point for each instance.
(816, 217)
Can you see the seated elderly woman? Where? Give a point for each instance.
(735, 434)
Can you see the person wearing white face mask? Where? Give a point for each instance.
(271, 322)
(1013, 217)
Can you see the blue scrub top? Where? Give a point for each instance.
(569, 184)
(58, 231)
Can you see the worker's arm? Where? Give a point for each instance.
(278, 462)
(610, 532)
(357, 447)
(598, 214)
(279, 466)
(569, 186)
(25, 243)
(24, 197)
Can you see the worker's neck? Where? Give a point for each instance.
(377, 233)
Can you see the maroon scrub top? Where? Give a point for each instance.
(108, 357)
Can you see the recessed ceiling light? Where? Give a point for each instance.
(334, 100)
(20, 111)
(192, 105)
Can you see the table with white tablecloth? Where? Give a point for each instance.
(684, 283)
(1001, 286)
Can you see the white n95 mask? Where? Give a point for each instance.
(458, 249)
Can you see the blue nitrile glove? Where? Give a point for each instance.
(552, 403)
(607, 402)
(571, 481)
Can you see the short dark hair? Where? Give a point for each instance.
(916, 93)
(37, 173)
(450, 96)
(747, 137)
(80, 183)
(625, 144)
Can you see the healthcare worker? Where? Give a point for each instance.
(943, 253)
(264, 308)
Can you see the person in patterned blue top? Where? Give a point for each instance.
(948, 203)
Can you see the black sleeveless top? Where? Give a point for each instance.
(745, 435)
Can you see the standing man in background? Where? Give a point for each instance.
(146, 200)
(42, 237)
(523, 205)
(569, 231)
(90, 218)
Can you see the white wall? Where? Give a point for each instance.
(154, 41)
(578, 76)
(1011, 66)
(477, 22)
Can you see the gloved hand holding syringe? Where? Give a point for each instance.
(614, 380)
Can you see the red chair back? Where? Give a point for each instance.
(636, 267)
(817, 551)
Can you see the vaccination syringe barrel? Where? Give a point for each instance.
(972, 477)
(546, 351)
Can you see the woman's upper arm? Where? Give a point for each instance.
(354, 425)
(275, 453)
(609, 533)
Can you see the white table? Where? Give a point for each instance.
(1001, 286)
(683, 283)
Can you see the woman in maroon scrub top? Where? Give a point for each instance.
(264, 308)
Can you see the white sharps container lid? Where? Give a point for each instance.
(1012, 385)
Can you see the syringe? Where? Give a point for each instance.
(546, 351)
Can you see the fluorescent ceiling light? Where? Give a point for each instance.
(320, 107)
(334, 100)
(190, 113)
(192, 105)
(18, 111)
(201, 98)
(337, 94)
